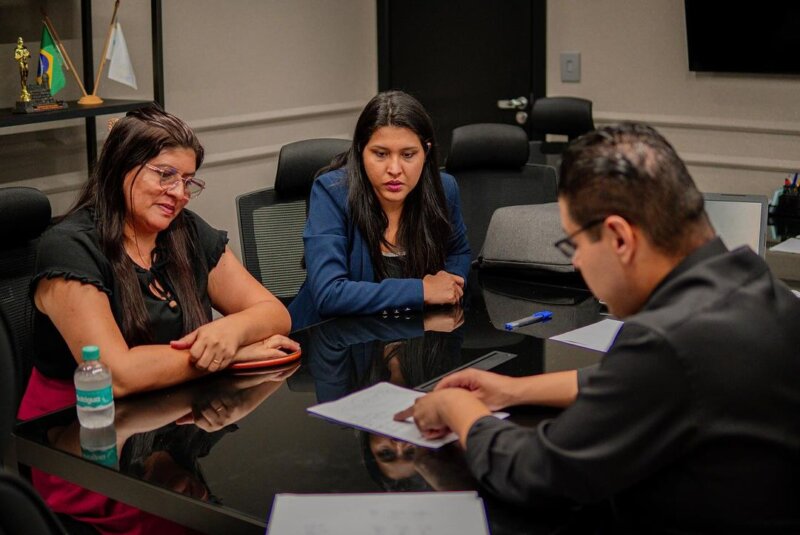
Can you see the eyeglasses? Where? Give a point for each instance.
(169, 177)
(567, 246)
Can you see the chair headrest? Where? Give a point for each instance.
(298, 162)
(24, 213)
(488, 145)
(570, 116)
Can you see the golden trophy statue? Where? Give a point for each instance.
(21, 56)
(34, 97)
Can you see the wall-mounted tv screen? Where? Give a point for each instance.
(752, 37)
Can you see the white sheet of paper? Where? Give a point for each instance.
(598, 336)
(373, 410)
(379, 514)
(792, 245)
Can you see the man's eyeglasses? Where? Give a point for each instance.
(169, 177)
(567, 246)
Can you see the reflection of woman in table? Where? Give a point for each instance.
(396, 465)
(349, 354)
(160, 438)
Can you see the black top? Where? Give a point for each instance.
(71, 250)
(690, 420)
(395, 265)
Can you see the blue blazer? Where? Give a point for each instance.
(340, 278)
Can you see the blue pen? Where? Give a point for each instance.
(794, 182)
(538, 317)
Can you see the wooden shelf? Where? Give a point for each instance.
(74, 111)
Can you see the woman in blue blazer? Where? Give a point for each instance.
(384, 230)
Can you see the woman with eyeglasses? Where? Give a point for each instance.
(384, 229)
(131, 270)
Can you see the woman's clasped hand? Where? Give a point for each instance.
(442, 289)
(214, 347)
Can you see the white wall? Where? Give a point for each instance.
(248, 75)
(738, 133)
(252, 75)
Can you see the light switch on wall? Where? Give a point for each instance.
(570, 66)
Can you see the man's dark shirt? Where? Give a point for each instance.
(692, 419)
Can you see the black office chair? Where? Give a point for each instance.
(271, 220)
(24, 214)
(21, 508)
(8, 387)
(566, 116)
(489, 162)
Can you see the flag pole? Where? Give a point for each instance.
(62, 50)
(105, 49)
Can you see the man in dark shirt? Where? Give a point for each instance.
(691, 422)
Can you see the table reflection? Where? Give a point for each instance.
(407, 350)
(351, 354)
(212, 454)
(159, 438)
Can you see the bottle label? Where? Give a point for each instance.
(103, 456)
(94, 398)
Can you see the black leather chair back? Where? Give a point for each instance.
(271, 220)
(22, 510)
(566, 116)
(24, 215)
(487, 146)
(489, 163)
(299, 162)
(569, 116)
(8, 387)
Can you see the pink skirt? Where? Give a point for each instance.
(45, 395)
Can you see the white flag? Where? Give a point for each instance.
(120, 67)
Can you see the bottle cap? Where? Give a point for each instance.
(91, 353)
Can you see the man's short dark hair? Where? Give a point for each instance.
(630, 170)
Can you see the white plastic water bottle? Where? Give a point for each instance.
(94, 397)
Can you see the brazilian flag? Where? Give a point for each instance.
(50, 63)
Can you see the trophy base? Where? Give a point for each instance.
(90, 100)
(40, 99)
(36, 107)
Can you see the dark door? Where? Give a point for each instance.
(460, 57)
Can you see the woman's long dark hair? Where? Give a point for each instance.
(134, 140)
(424, 229)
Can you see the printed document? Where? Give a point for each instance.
(373, 410)
(792, 245)
(598, 336)
(396, 513)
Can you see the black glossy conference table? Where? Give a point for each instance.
(212, 454)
